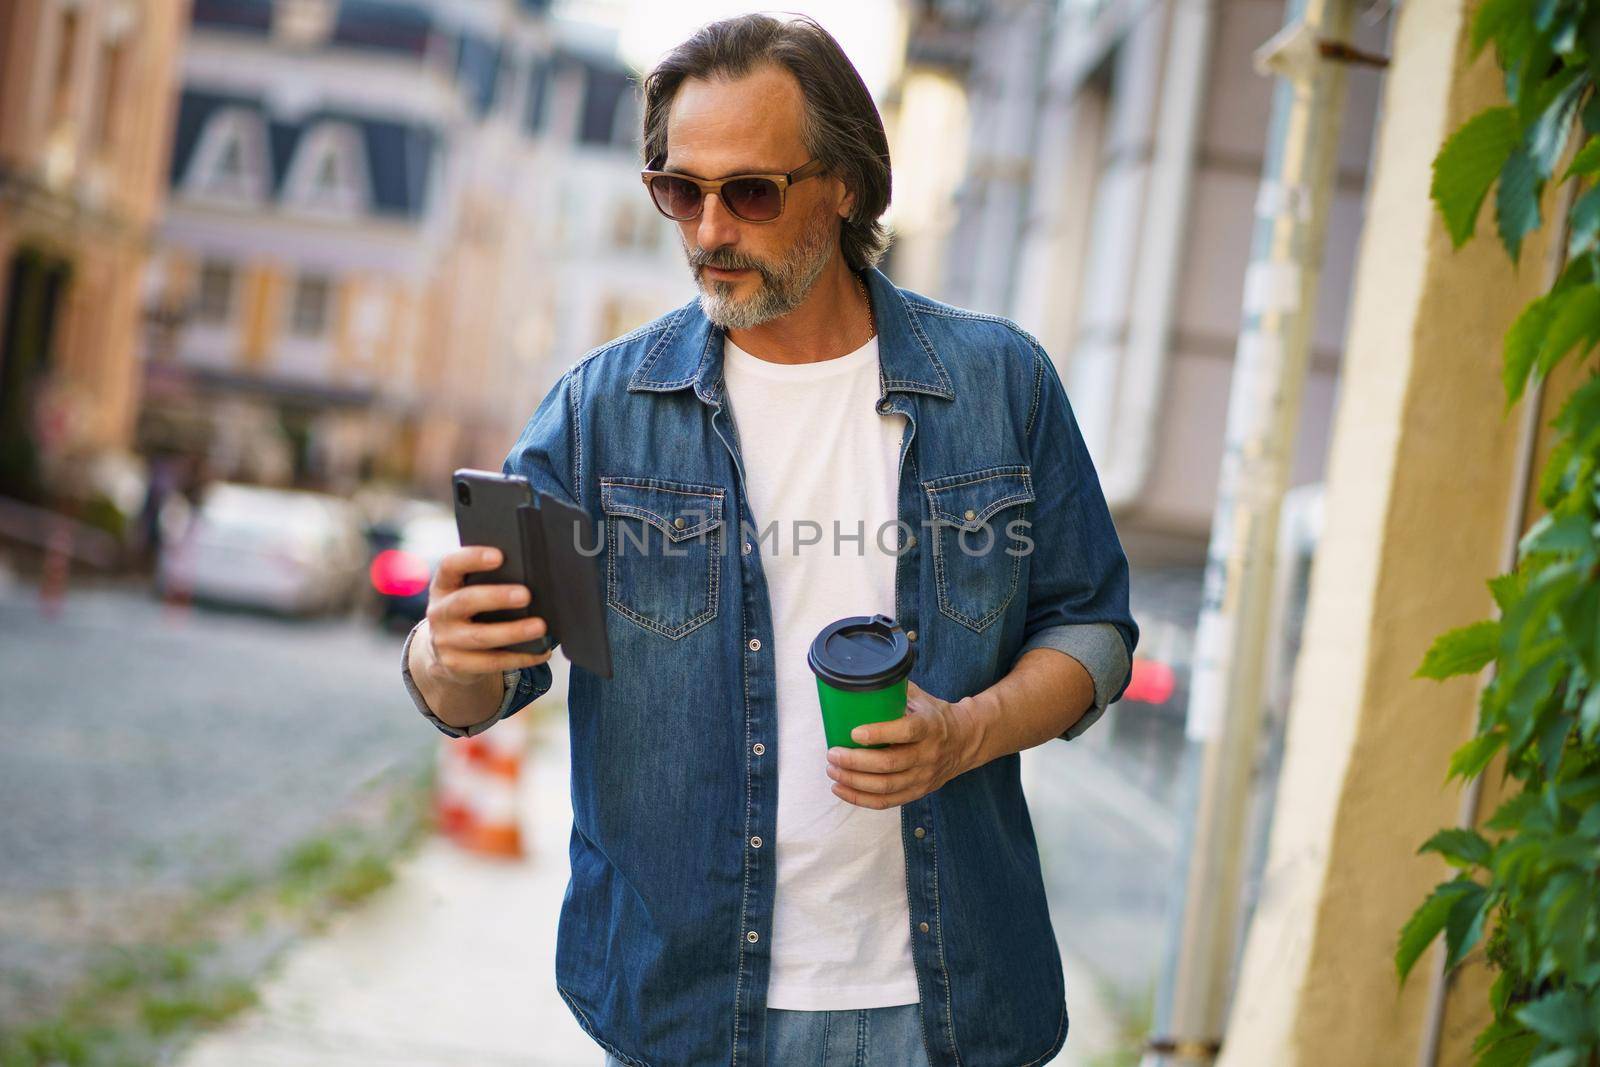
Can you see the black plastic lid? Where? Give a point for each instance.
(861, 652)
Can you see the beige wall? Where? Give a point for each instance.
(1419, 485)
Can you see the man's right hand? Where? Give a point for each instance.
(457, 663)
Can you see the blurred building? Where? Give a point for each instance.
(1110, 194)
(356, 274)
(1111, 182)
(84, 126)
(926, 116)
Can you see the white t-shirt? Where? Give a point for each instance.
(819, 458)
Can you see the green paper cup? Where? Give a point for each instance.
(862, 664)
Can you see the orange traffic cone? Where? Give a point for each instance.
(450, 811)
(490, 770)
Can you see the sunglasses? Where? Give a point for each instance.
(749, 197)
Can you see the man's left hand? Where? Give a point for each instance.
(931, 744)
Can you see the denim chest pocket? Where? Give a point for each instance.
(663, 552)
(977, 551)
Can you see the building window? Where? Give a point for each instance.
(66, 50)
(329, 172)
(214, 304)
(604, 94)
(107, 114)
(313, 296)
(230, 162)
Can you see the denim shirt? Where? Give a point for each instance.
(663, 938)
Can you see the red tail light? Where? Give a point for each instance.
(1152, 682)
(397, 573)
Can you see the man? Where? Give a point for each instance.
(804, 442)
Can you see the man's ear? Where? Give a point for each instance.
(847, 201)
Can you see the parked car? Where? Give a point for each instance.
(403, 566)
(274, 549)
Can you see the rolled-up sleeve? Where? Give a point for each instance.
(1078, 572)
(512, 681)
(548, 454)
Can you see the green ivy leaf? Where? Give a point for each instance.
(1493, 19)
(1517, 201)
(1566, 535)
(1576, 322)
(1557, 1017)
(1561, 1057)
(1589, 717)
(1470, 759)
(1460, 847)
(1587, 160)
(1467, 165)
(1426, 922)
(1463, 927)
(1584, 222)
(1505, 588)
(1580, 621)
(1527, 700)
(1547, 137)
(1464, 650)
(1509, 815)
(1591, 115)
(1523, 342)
(1512, 1050)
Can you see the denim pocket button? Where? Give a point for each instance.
(663, 552)
(977, 555)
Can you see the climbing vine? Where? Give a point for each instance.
(1527, 883)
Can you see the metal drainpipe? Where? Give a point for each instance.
(1516, 522)
(1274, 349)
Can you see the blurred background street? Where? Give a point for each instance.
(155, 754)
(270, 270)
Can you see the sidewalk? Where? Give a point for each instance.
(454, 965)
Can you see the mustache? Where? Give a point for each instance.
(726, 259)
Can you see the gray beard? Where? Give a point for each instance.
(783, 288)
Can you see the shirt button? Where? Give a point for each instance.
(679, 523)
(747, 548)
(755, 842)
(923, 927)
(911, 540)
(753, 937)
(755, 644)
(885, 406)
(970, 514)
(758, 748)
(920, 832)
(911, 635)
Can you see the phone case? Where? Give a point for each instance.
(488, 517)
(565, 581)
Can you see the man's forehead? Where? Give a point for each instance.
(721, 126)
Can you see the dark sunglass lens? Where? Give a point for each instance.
(677, 198)
(752, 199)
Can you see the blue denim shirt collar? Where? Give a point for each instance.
(689, 352)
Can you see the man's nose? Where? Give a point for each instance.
(717, 228)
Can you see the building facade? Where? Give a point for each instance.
(84, 129)
(359, 282)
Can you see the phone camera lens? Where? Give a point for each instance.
(464, 494)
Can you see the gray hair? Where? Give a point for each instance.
(842, 126)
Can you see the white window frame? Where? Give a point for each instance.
(226, 127)
(328, 310)
(342, 142)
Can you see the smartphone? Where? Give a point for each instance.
(486, 514)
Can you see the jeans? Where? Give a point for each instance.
(851, 1037)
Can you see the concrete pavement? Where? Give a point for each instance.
(454, 964)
